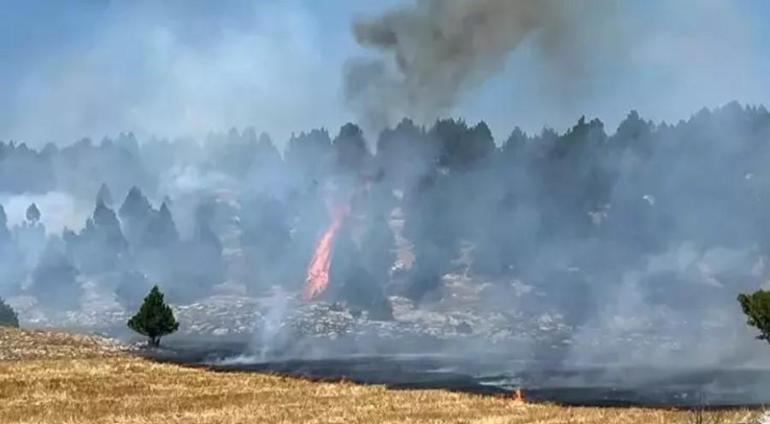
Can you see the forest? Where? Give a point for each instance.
(679, 211)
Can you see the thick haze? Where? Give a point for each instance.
(440, 49)
(633, 233)
(174, 68)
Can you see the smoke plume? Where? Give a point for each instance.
(433, 51)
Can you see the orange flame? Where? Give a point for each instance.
(318, 272)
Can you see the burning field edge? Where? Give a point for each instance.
(56, 378)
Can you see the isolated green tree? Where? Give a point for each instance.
(8, 317)
(756, 306)
(154, 319)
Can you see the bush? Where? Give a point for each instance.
(8, 317)
(154, 319)
(756, 306)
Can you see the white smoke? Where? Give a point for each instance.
(58, 210)
(147, 70)
(435, 50)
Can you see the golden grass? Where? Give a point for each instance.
(118, 388)
(16, 345)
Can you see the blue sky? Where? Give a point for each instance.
(97, 67)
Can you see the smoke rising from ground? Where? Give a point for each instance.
(636, 241)
(580, 247)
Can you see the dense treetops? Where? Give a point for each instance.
(583, 198)
(123, 162)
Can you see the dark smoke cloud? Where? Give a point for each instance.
(432, 51)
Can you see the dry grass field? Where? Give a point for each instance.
(55, 378)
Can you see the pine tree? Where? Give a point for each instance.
(109, 226)
(54, 280)
(33, 213)
(308, 156)
(100, 245)
(265, 238)
(136, 205)
(11, 270)
(8, 317)
(154, 319)
(135, 214)
(104, 195)
(350, 149)
(161, 230)
(198, 263)
(403, 154)
(756, 306)
(5, 234)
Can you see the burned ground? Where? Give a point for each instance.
(85, 387)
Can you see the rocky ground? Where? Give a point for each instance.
(236, 316)
(468, 314)
(471, 316)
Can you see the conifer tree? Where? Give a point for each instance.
(54, 279)
(154, 318)
(756, 306)
(5, 234)
(136, 205)
(161, 231)
(104, 195)
(135, 214)
(8, 317)
(33, 213)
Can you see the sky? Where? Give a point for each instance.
(176, 68)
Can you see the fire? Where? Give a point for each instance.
(318, 272)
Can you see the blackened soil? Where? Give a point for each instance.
(540, 381)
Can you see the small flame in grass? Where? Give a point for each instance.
(318, 272)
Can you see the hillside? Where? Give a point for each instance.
(59, 378)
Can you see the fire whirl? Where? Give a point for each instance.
(318, 272)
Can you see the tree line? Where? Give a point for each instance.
(534, 207)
